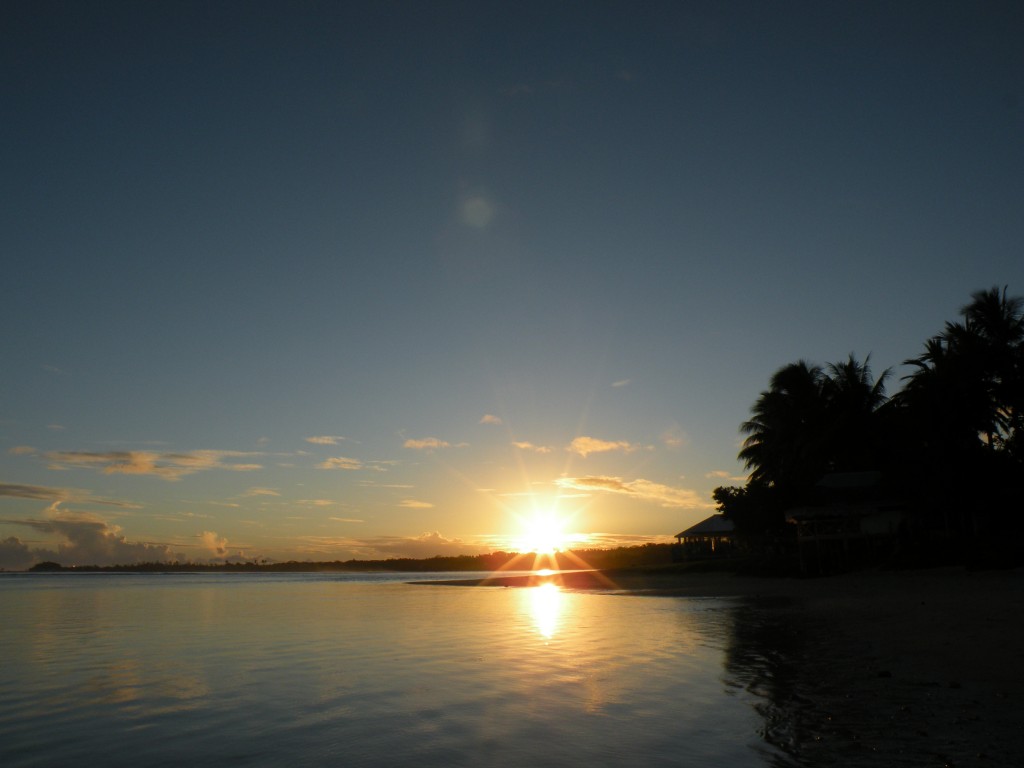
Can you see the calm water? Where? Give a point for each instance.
(342, 670)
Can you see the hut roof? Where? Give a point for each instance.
(716, 525)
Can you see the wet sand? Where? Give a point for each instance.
(892, 668)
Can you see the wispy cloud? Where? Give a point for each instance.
(341, 462)
(528, 446)
(261, 492)
(584, 446)
(325, 439)
(621, 383)
(346, 520)
(721, 474)
(169, 466)
(59, 495)
(22, 450)
(414, 504)
(674, 437)
(664, 495)
(490, 418)
(426, 444)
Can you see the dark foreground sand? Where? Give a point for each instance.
(886, 668)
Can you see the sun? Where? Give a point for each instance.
(543, 532)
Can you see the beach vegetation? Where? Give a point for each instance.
(949, 444)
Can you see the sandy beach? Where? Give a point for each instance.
(918, 667)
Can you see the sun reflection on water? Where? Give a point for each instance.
(546, 609)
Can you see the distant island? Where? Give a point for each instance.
(621, 557)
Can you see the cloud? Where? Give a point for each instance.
(169, 466)
(59, 495)
(426, 443)
(490, 418)
(346, 520)
(527, 446)
(414, 504)
(614, 540)
(721, 474)
(89, 540)
(426, 544)
(261, 492)
(22, 450)
(217, 545)
(621, 383)
(15, 554)
(341, 462)
(645, 490)
(40, 492)
(674, 437)
(325, 439)
(584, 446)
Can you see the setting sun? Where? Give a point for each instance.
(543, 533)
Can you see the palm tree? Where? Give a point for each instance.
(812, 421)
(962, 414)
(853, 398)
(994, 327)
(782, 447)
(968, 387)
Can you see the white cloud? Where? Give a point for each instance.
(646, 490)
(341, 462)
(325, 439)
(527, 446)
(426, 443)
(621, 383)
(584, 446)
(490, 418)
(217, 545)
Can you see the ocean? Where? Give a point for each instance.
(352, 670)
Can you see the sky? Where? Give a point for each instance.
(318, 280)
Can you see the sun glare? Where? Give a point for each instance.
(543, 533)
(546, 607)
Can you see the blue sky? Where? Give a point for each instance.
(329, 280)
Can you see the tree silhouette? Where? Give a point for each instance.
(952, 440)
(812, 421)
